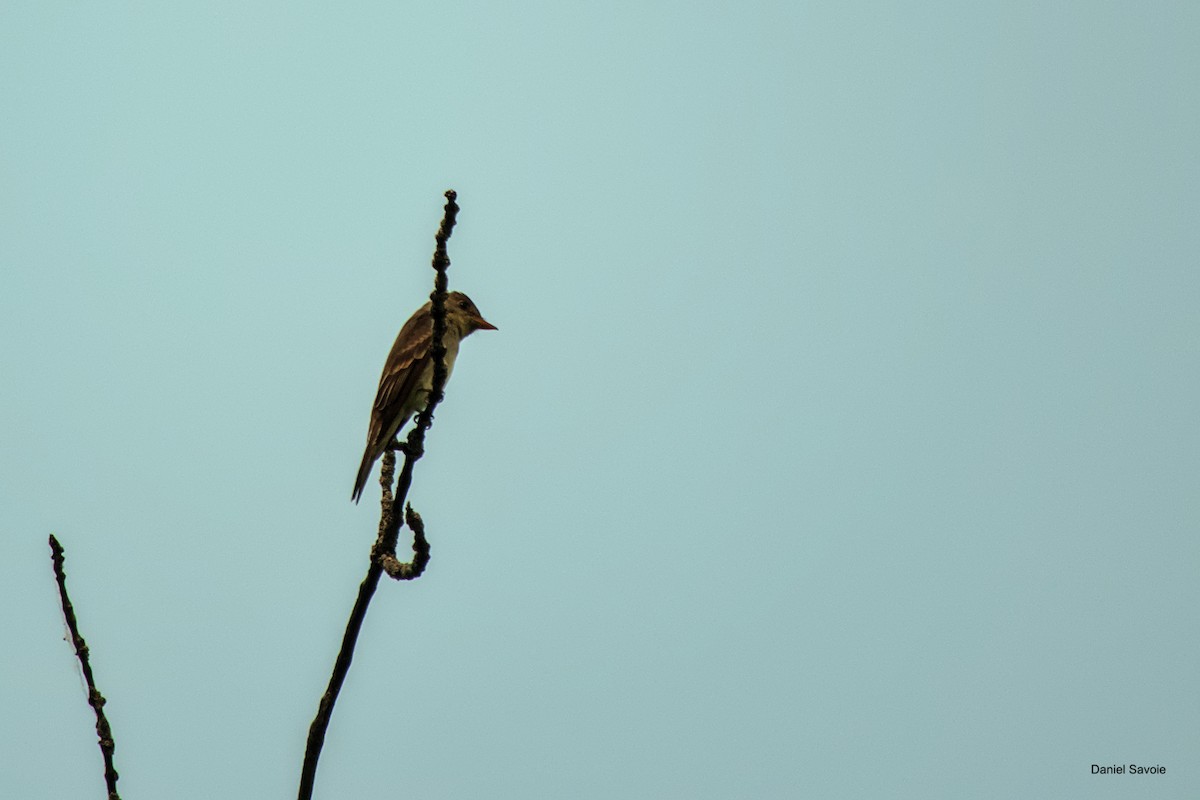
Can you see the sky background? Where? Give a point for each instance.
(839, 438)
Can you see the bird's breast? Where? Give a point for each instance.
(426, 381)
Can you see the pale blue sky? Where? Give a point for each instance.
(839, 438)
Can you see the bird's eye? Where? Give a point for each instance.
(463, 304)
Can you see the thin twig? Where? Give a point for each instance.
(95, 699)
(383, 552)
(397, 569)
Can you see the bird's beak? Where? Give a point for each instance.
(482, 324)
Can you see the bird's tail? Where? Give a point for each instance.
(364, 472)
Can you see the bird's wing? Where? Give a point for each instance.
(401, 372)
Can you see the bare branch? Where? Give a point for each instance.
(383, 552)
(95, 699)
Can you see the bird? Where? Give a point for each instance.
(408, 374)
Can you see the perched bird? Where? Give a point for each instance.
(408, 374)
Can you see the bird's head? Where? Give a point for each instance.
(462, 315)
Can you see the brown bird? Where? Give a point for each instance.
(408, 374)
